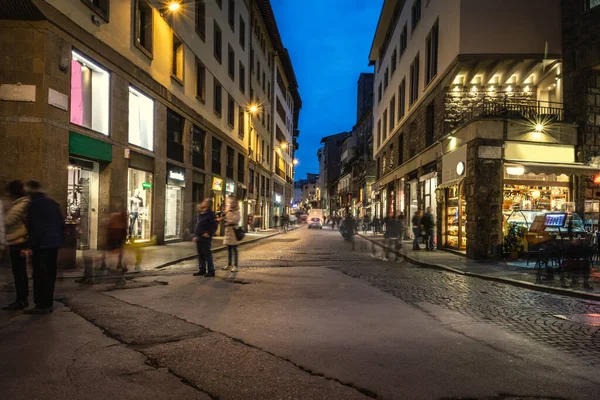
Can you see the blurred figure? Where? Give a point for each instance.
(366, 223)
(45, 227)
(116, 233)
(390, 233)
(428, 223)
(276, 223)
(376, 223)
(232, 220)
(16, 237)
(349, 227)
(284, 222)
(205, 230)
(416, 227)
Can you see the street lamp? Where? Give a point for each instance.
(283, 145)
(174, 6)
(253, 109)
(295, 162)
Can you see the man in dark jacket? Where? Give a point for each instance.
(205, 230)
(428, 225)
(45, 228)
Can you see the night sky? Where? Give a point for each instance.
(329, 43)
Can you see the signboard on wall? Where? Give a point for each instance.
(230, 187)
(17, 92)
(217, 185)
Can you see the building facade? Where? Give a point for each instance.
(469, 119)
(130, 105)
(329, 170)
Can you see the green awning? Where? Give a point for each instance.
(89, 147)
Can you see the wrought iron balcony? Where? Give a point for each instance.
(513, 108)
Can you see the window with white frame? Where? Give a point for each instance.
(141, 119)
(90, 91)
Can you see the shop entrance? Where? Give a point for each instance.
(173, 205)
(82, 201)
(139, 204)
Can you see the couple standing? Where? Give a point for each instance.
(206, 228)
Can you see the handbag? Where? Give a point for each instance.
(239, 233)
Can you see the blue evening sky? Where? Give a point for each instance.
(329, 43)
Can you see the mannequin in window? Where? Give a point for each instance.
(135, 204)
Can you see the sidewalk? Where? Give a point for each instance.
(515, 273)
(149, 258)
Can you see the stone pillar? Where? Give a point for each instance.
(484, 194)
(160, 171)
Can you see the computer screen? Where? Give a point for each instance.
(556, 220)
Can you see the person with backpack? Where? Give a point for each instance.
(206, 227)
(232, 220)
(16, 238)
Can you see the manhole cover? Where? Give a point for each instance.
(584, 319)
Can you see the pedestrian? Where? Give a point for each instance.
(390, 233)
(116, 233)
(349, 228)
(232, 220)
(428, 223)
(16, 238)
(416, 227)
(276, 222)
(284, 222)
(45, 228)
(205, 230)
(375, 226)
(333, 223)
(366, 223)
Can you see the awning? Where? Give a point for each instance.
(448, 184)
(556, 168)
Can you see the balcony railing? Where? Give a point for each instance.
(280, 172)
(513, 108)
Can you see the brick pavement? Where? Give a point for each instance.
(512, 272)
(519, 310)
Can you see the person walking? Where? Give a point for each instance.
(232, 220)
(45, 228)
(375, 226)
(428, 223)
(390, 233)
(116, 233)
(349, 226)
(205, 230)
(284, 222)
(16, 238)
(366, 223)
(416, 228)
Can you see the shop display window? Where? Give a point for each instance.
(141, 120)
(90, 92)
(535, 198)
(173, 206)
(139, 205)
(456, 218)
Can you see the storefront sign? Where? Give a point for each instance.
(217, 184)
(177, 176)
(278, 198)
(460, 168)
(146, 185)
(230, 187)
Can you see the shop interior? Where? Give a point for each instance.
(82, 201)
(139, 205)
(456, 217)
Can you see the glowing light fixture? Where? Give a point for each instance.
(283, 145)
(515, 170)
(296, 162)
(253, 108)
(597, 179)
(509, 88)
(539, 128)
(174, 6)
(527, 89)
(474, 89)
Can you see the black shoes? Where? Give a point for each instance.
(16, 305)
(204, 274)
(38, 311)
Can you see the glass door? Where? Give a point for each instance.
(82, 198)
(173, 201)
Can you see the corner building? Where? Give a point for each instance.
(469, 117)
(127, 103)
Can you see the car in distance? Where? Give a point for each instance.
(315, 222)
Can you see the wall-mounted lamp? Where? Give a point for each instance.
(253, 109)
(174, 6)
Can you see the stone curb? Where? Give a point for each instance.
(510, 281)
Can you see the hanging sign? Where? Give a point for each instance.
(230, 187)
(146, 185)
(176, 175)
(217, 184)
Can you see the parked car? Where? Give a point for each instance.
(315, 222)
